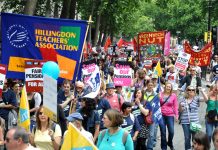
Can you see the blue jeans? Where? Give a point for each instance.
(188, 134)
(150, 143)
(168, 121)
(210, 128)
(32, 124)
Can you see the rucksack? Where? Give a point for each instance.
(124, 137)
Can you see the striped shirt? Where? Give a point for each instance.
(190, 111)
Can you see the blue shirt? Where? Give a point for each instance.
(114, 141)
(102, 106)
(61, 98)
(137, 113)
(8, 97)
(131, 124)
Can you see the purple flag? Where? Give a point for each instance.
(167, 44)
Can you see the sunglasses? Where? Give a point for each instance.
(192, 70)
(7, 139)
(40, 113)
(190, 90)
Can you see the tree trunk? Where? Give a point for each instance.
(65, 9)
(97, 25)
(30, 7)
(56, 10)
(48, 8)
(99, 38)
(72, 9)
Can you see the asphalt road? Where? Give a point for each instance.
(178, 132)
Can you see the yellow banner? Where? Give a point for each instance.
(17, 64)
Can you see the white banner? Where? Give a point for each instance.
(50, 97)
(182, 61)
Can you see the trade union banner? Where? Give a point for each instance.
(203, 56)
(151, 45)
(30, 37)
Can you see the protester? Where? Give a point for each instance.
(139, 111)
(2, 133)
(7, 103)
(215, 138)
(91, 120)
(169, 109)
(65, 97)
(139, 81)
(191, 80)
(18, 139)
(201, 141)
(113, 98)
(114, 137)
(172, 77)
(79, 89)
(34, 99)
(130, 122)
(149, 95)
(211, 99)
(16, 89)
(188, 108)
(46, 135)
(76, 118)
(102, 105)
(197, 68)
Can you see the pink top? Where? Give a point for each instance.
(170, 108)
(113, 100)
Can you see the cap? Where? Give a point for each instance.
(110, 85)
(154, 76)
(191, 87)
(74, 116)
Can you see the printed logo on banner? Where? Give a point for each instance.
(17, 35)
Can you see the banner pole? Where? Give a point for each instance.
(89, 22)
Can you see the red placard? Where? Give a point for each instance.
(33, 75)
(3, 70)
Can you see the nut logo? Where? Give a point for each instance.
(17, 36)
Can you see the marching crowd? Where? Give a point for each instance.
(110, 120)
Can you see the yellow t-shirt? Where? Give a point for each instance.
(43, 140)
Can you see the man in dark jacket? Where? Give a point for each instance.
(191, 80)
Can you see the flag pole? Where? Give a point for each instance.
(89, 22)
(87, 29)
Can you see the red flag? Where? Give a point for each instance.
(134, 43)
(107, 43)
(120, 43)
(89, 47)
(85, 53)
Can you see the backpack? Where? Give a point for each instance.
(12, 119)
(124, 137)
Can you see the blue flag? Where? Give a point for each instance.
(154, 106)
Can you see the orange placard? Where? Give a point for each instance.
(67, 67)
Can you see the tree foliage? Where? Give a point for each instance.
(128, 17)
